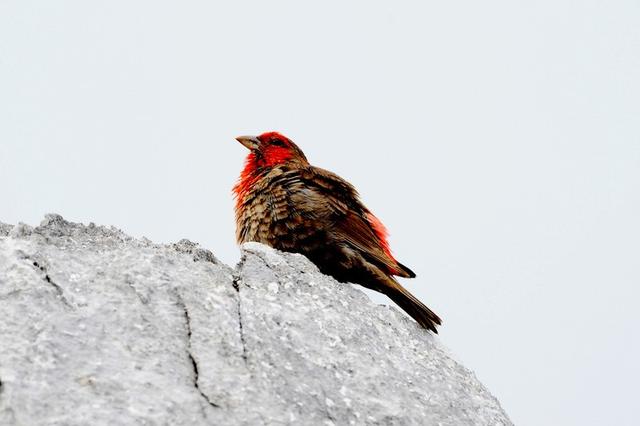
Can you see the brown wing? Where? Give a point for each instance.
(344, 215)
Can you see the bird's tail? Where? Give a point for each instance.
(411, 305)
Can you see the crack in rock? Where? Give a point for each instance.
(236, 285)
(48, 279)
(133, 288)
(194, 363)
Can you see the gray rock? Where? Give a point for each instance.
(99, 328)
(5, 229)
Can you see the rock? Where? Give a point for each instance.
(100, 328)
(5, 229)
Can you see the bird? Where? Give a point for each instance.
(281, 200)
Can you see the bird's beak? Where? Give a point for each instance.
(250, 142)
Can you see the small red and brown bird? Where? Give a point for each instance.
(286, 203)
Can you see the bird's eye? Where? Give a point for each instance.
(277, 142)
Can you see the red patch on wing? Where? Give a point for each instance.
(381, 232)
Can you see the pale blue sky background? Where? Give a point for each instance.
(499, 141)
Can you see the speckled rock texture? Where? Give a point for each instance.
(98, 328)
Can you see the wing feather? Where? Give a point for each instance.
(335, 205)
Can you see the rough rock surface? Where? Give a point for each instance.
(98, 328)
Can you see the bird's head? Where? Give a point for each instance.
(271, 149)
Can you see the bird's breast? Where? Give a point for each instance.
(264, 213)
(268, 214)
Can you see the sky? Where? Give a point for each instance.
(499, 142)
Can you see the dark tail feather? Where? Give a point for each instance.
(415, 308)
(409, 273)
